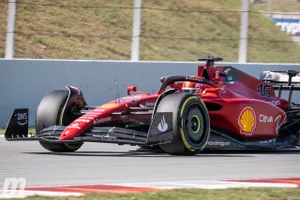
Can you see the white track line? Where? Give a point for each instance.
(206, 184)
(155, 185)
(27, 193)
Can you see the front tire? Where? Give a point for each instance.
(191, 125)
(49, 113)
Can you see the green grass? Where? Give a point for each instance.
(280, 6)
(193, 194)
(74, 33)
(3, 17)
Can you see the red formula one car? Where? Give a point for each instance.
(220, 108)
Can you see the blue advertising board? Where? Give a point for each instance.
(289, 25)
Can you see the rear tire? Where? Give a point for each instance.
(48, 114)
(191, 125)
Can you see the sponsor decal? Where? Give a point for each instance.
(274, 102)
(266, 119)
(289, 25)
(192, 79)
(90, 114)
(264, 90)
(162, 126)
(218, 143)
(102, 120)
(230, 78)
(99, 110)
(110, 105)
(22, 118)
(86, 117)
(161, 123)
(124, 116)
(279, 120)
(198, 85)
(150, 104)
(247, 121)
(83, 120)
(188, 84)
(132, 99)
(226, 71)
(74, 125)
(270, 141)
(96, 113)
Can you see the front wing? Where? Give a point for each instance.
(17, 131)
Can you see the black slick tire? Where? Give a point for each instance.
(48, 114)
(191, 125)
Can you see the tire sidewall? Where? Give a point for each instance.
(188, 102)
(48, 114)
(178, 104)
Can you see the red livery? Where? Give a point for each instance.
(219, 108)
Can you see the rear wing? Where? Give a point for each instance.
(282, 80)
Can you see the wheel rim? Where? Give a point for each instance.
(194, 125)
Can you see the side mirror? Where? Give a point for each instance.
(131, 89)
(162, 79)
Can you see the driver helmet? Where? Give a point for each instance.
(191, 87)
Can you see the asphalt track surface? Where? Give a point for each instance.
(97, 163)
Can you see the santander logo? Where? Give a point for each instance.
(162, 126)
(102, 120)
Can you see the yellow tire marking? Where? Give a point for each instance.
(206, 140)
(184, 104)
(185, 142)
(69, 146)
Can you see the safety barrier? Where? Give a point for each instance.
(24, 82)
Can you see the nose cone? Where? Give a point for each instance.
(68, 134)
(73, 130)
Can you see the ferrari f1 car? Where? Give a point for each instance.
(220, 108)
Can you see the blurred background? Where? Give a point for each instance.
(172, 30)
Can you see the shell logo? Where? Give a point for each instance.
(247, 121)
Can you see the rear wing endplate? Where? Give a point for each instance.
(282, 81)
